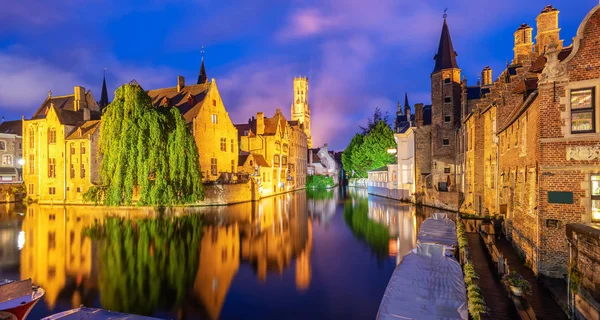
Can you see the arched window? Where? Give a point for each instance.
(2, 145)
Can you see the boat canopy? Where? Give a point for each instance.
(438, 229)
(426, 285)
(95, 314)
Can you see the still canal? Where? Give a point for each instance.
(318, 255)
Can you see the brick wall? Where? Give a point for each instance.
(585, 256)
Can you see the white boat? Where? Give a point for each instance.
(17, 298)
(95, 314)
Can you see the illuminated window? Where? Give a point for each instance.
(582, 110)
(7, 160)
(31, 164)
(595, 197)
(214, 119)
(52, 135)
(51, 167)
(276, 159)
(31, 137)
(213, 166)
(284, 160)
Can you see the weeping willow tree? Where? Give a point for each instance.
(147, 265)
(145, 147)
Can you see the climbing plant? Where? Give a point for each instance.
(148, 149)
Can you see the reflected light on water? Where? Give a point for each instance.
(21, 240)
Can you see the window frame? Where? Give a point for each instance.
(591, 109)
(7, 163)
(594, 197)
(3, 145)
(213, 166)
(444, 140)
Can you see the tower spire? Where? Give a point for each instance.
(202, 78)
(104, 97)
(446, 56)
(406, 100)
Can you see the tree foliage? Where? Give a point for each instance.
(145, 147)
(368, 151)
(378, 116)
(319, 182)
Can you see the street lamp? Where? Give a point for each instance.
(21, 162)
(392, 151)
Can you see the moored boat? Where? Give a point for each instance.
(17, 298)
(95, 314)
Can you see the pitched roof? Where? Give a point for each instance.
(85, 130)
(242, 159)
(538, 65)
(526, 86)
(476, 92)
(242, 128)
(188, 100)
(260, 160)
(446, 56)
(402, 125)
(12, 127)
(514, 115)
(271, 124)
(65, 108)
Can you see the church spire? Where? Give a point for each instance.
(446, 56)
(406, 100)
(104, 97)
(202, 78)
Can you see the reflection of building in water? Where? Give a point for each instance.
(357, 192)
(401, 222)
(278, 234)
(56, 254)
(11, 237)
(322, 205)
(303, 268)
(218, 264)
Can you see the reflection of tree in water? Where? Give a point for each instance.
(147, 264)
(356, 215)
(319, 194)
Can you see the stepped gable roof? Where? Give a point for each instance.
(65, 108)
(12, 127)
(446, 56)
(85, 130)
(538, 65)
(272, 123)
(189, 100)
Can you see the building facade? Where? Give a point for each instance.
(61, 122)
(11, 151)
(204, 111)
(298, 155)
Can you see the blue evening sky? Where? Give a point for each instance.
(358, 55)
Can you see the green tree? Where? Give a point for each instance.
(369, 151)
(146, 147)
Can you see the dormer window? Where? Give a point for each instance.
(190, 99)
(165, 102)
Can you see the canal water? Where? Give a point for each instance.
(306, 254)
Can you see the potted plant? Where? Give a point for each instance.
(517, 285)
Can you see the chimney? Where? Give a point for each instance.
(180, 83)
(547, 29)
(79, 101)
(523, 43)
(260, 123)
(486, 76)
(419, 114)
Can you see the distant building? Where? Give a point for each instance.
(204, 111)
(300, 109)
(60, 144)
(321, 161)
(11, 151)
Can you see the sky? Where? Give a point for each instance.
(358, 55)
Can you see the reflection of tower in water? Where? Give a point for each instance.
(219, 262)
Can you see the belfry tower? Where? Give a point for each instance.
(300, 107)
